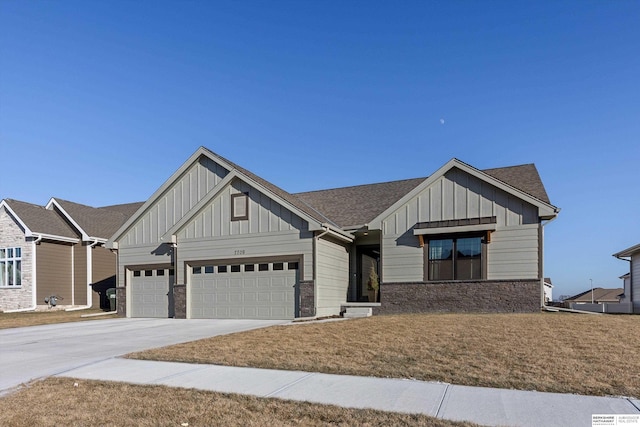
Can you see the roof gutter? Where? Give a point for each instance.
(340, 234)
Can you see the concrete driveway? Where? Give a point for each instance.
(42, 351)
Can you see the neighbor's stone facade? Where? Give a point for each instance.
(497, 296)
(12, 236)
(307, 298)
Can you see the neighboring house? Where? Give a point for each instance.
(217, 241)
(626, 285)
(57, 249)
(632, 279)
(596, 296)
(548, 290)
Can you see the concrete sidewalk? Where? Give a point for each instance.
(487, 406)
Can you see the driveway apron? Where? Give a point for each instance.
(41, 351)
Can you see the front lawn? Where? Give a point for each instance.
(69, 402)
(35, 318)
(554, 352)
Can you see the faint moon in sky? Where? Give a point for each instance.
(441, 121)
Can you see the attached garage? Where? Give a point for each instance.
(150, 293)
(250, 290)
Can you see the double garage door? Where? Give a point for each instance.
(261, 290)
(254, 290)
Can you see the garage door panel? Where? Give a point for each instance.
(149, 293)
(256, 293)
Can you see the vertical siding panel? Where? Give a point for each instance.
(436, 201)
(473, 198)
(447, 199)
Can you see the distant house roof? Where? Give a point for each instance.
(40, 220)
(94, 222)
(599, 295)
(98, 222)
(627, 252)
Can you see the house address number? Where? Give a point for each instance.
(238, 252)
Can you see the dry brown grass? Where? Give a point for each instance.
(56, 402)
(35, 318)
(555, 352)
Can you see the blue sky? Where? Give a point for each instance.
(100, 102)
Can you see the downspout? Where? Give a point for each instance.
(542, 224)
(89, 276)
(34, 301)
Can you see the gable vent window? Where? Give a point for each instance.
(239, 207)
(455, 259)
(10, 267)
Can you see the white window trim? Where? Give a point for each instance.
(4, 272)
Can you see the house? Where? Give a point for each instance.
(57, 250)
(631, 279)
(595, 296)
(217, 241)
(547, 290)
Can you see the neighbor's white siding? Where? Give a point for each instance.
(458, 195)
(635, 281)
(332, 277)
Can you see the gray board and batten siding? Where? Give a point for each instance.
(512, 253)
(188, 222)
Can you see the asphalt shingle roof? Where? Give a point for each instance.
(100, 222)
(522, 177)
(357, 205)
(41, 220)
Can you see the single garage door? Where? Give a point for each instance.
(149, 293)
(260, 290)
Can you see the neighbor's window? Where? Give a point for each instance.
(239, 207)
(455, 259)
(10, 267)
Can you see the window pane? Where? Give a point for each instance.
(136, 273)
(468, 258)
(249, 267)
(10, 278)
(208, 269)
(2, 253)
(18, 273)
(18, 252)
(2, 275)
(292, 266)
(10, 253)
(197, 270)
(235, 269)
(441, 259)
(278, 266)
(148, 273)
(263, 267)
(222, 269)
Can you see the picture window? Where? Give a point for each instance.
(11, 267)
(455, 259)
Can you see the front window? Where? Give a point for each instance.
(455, 259)
(10, 267)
